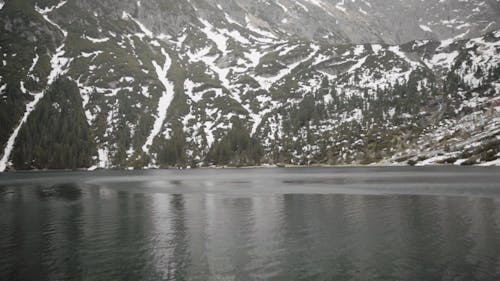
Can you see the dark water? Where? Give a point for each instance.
(263, 224)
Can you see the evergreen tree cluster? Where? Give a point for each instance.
(173, 151)
(11, 109)
(385, 118)
(237, 148)
(56, 134)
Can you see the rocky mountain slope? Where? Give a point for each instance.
(190, 83)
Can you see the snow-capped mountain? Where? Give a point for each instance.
(197, 82)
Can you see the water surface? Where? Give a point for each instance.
(252, 224)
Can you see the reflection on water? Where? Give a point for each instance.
(67, 191)
(109, 231)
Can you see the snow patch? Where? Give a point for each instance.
(93, 54)
(33, 64)
(282, 7)
(219, 39)
(359, 50)
(425, 28)
(376, 48)
(46, 11)
(95, 40)
(397, 51)
(267, 82)
(165, 99)
(2, 89)
(444, 60)
(103, 158)
(141, 26)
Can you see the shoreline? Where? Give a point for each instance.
(287, 166)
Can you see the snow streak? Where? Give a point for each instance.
(58, 63)
(165, 99)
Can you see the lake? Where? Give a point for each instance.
(373, 223)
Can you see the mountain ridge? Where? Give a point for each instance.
(238, 94)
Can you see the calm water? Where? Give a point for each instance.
(255, 224)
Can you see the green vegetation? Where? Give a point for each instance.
(56, 134)
(237, 148)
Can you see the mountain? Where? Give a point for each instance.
(191, 83)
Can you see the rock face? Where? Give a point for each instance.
(200, 82)
(332, 21)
